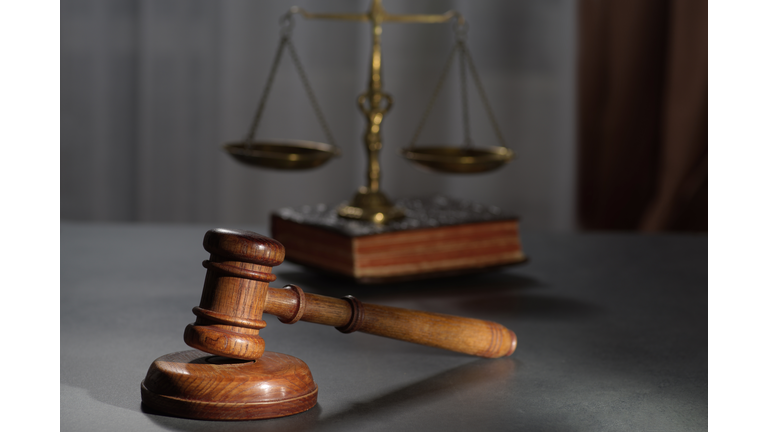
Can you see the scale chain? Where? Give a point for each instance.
(260, 109)
(465, 61)
(432, 100)
(484, 97)
(311, 94)
(464, 98)
(285, 41)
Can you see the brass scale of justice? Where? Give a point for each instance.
(230, 376)
(370, 203)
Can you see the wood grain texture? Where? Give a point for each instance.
(244, 246)
(235, 295)
(234, 292)
(194, 384)
(466, 335)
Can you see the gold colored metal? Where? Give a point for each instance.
(467, 159)
(282, 154)
(383, 16)
(371, 206)
(370, 203)
(457, 160)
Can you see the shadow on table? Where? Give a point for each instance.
(490, 293)
(334, 285)
(532, 306)
(479, 376)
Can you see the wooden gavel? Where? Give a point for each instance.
(236, 294)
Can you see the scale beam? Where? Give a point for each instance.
(383, 16)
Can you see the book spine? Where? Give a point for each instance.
(314, 246)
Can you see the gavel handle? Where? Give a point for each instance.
(464, 335)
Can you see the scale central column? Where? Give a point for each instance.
(369, 203)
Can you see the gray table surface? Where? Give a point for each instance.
(612, 335)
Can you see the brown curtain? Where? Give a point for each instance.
(642, 115)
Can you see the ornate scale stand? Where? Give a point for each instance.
(370, 203)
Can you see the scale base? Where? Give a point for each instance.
(370, 207)
(197, 385)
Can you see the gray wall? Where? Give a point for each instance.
(151, 89)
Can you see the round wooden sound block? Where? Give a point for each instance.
(197, 385)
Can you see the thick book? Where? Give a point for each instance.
(438, 237)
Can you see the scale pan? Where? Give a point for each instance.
(457, 160)
(282, 154)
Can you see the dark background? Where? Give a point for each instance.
(604, 103)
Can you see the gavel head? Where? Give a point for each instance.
(234, 294)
